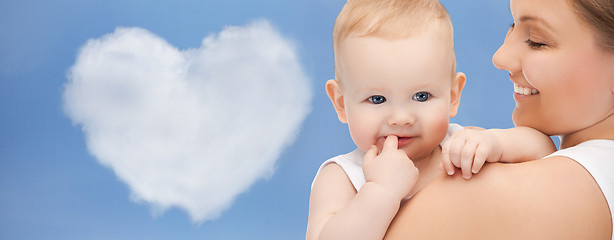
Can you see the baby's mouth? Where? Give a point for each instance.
(404, 140)
(401, 140)
(525, 90)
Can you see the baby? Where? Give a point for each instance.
(396, 87)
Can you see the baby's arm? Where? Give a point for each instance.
(471, 147)
(336, 211)
(521, 144)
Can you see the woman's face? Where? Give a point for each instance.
(563, 79)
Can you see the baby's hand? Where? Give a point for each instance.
(468, 149)
(391, 169)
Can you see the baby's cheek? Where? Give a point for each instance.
(438, 128)
(442, 128)
(362, 134)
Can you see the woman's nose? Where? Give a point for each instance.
(507, 57)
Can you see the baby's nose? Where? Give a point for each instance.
(401, 118)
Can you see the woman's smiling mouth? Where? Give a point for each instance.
(524, 90)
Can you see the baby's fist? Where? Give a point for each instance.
(391, 169)
(469, 149)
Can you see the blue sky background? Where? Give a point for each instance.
(52, 188)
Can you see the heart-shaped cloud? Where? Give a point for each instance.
(193, 128)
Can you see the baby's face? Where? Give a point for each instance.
(397, 87)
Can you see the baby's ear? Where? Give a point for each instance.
(458, 83)
(333, 89)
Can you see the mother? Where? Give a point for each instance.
(564, 49)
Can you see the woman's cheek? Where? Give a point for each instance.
(537, 72)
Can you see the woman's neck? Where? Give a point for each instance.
(604, 129)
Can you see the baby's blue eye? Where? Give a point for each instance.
(377, 99)
(421, 96)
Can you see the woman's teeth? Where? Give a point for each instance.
(524, 91)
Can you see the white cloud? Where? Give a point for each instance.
(194, 128)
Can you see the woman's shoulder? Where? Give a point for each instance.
(552, 198)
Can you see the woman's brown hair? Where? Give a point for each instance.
(599, 14)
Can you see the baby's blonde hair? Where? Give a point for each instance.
(391, 19)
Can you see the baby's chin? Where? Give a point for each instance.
(422, 151)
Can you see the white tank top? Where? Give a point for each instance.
(597, 157)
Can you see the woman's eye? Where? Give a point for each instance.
(534, 45)
(377, 99)
(421, 96)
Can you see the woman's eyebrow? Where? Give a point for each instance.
(538, 20)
